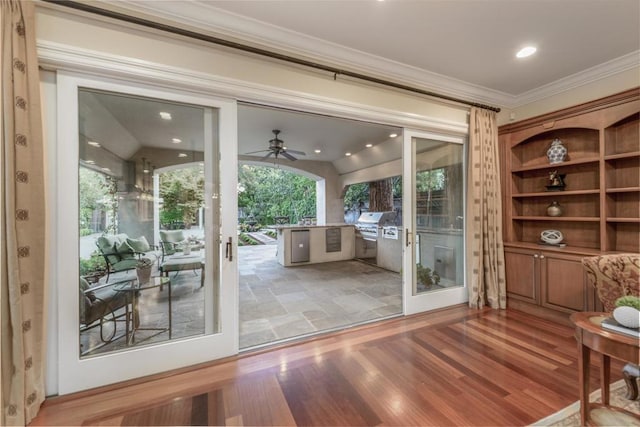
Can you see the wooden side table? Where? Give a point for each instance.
(592, 337)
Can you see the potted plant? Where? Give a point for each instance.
(426, 276)
(627, 311)
(143, 270)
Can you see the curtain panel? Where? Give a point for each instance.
(485, 253)
(23, 242)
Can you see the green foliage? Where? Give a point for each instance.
(97, 192)
(431, 180)
(94, 264)
(628, 301)
(271, 233)
(246, 239)
(182, 192)
(426, 276)
(85, 232)
(270, 192)
(356, 196)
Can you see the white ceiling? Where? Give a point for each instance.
(463, 48)
(457, 47)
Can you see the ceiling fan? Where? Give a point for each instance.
(277, 148)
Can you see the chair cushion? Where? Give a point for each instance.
(125, 250)
(140, 244)
(614, 276)
(107, 245)
(172, 236)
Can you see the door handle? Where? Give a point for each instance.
(406, 237)
(228, 252)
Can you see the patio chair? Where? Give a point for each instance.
(98, 308)
(615, 276)
(122, 253)
(171, 241)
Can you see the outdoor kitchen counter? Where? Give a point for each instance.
(323, 243)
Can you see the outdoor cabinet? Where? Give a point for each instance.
(300, 246)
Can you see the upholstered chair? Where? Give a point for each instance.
(615, 276)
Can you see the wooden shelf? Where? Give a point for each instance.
(555, 193)
(558, 218)
(628, 220)
(623, 190)
(582, 161)
(601, 204)
(623, 155)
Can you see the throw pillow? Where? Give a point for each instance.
(140, 244)
(125, 250)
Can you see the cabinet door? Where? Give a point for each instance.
(521, 268)
(562, 282)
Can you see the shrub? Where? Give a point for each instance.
(94, 264)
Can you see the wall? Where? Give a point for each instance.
(599, 89)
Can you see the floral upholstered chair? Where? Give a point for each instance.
(615, 276)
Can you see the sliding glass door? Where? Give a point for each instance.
(146, 269)
(434, 178)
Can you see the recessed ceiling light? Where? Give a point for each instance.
(317, 151)
(176, 140)
(165, 116)
(369, 145)
(393, 135)
(90, 162)
(182, 155)
(526, 51)
(347, 154)
(93, 143)
(106, 169)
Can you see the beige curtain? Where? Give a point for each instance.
(22, 261)
(485, 255)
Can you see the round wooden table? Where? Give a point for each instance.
(592, 337)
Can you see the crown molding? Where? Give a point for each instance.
(205, 17)
(58, 56)
(590, 75)
(202, 16)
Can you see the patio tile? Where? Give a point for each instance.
(357, 303)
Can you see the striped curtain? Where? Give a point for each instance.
(22, 261)
(485, 254)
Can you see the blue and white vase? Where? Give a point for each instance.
(557, 152)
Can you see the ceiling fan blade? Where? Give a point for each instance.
(254, 152)
(288, 156)
(300, 153)
(267, 155)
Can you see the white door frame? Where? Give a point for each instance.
(427, 300)
(75, 374)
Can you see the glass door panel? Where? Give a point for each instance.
(143, 280)
(435, 175)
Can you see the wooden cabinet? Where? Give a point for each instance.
(600, 203)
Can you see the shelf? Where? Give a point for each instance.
(623, 190)
(556, 193)
(582, 161)
(628, 220)
(557, 218)
(629, 155)
(541, 247)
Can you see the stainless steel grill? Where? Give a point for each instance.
(369, 223)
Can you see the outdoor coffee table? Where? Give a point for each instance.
(183, 262)
(132, 288)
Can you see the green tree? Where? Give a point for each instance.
(182, 192)
(97, 192)
(270, 192)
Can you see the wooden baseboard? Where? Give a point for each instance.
(542, 312)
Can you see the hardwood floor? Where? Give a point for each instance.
(452, 367)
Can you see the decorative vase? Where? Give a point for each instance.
(554, 209)
(144, 274)
(557, 152)
(627, 316)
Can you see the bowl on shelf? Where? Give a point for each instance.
(552, 237)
